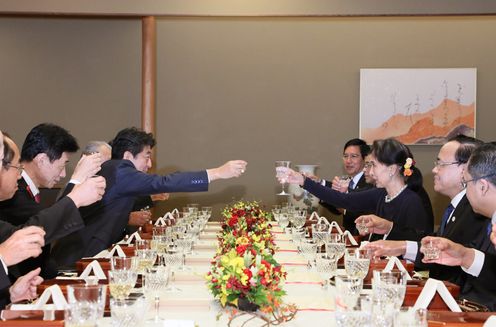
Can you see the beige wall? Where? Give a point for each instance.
(260, 89)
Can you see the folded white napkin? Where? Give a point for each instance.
(169, 215)
(335, 225)
(430, 288)
(175, 211)
(160, 222)
(57, 296)
(94, 267)
(395, 261)
(350, 237)
(490, 322)
(323, 220)
(314, 216)
(133, 236)
(109, 254)
(54, 292)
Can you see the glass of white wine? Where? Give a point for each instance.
(121, 283)
(145, 259)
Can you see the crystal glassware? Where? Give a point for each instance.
(431, 252)
(357, 262)
(335, 245)
(281, 175)
(155, 282)
(121, 282)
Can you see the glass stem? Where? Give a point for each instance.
(157, 307)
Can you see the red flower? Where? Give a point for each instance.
(240, 249)
(233, 221)
(248, 273)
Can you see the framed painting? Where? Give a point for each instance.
(417, 106)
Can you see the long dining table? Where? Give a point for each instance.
(194, 305)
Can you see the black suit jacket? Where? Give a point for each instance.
(58, 220)
(4, 288)
(464, 227)
(106, 219)
(17, 211)
(349, 216)
(482, 289)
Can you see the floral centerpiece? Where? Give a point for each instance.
(244, 273)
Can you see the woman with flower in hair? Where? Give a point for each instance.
(401, 206)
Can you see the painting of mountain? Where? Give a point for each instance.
(417, 106)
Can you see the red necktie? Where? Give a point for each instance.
(36, 197)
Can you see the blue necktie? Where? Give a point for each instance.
(350, 186)
(444, 220)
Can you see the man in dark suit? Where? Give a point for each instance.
(44, 155)
(354, 153)
(478, 261)
(126, 180)
(459, 223)
(56, 221)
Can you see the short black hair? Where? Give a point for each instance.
(467, 146)
(50, 139)
(130, 139)
(482, 163)
(364, 147)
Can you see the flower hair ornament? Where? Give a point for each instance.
(408, 167)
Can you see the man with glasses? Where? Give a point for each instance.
(44, 155)
(354, 153)
(459, 222)
(478, 260)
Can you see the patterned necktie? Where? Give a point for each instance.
(350, 186)
(444, 221)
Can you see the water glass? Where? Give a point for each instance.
(86, 304)
(357, 262)
(348, 291)
(320, 233)
(390, 286)
(128, 312)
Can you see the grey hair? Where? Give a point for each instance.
(94, 146)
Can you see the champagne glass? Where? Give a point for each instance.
(280, 174)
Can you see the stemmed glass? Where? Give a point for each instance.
(326, 266)
(335, 245)
(281, 175)
(320, 233)
(173, 259)
(155, 282)
(357, 262)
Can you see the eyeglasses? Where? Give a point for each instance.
(465, 183)
(351, 156)
(439, 163)
(19, 168)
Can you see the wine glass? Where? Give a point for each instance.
(357, 262)
(335, 245)
(280, 174)
(155, 282)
